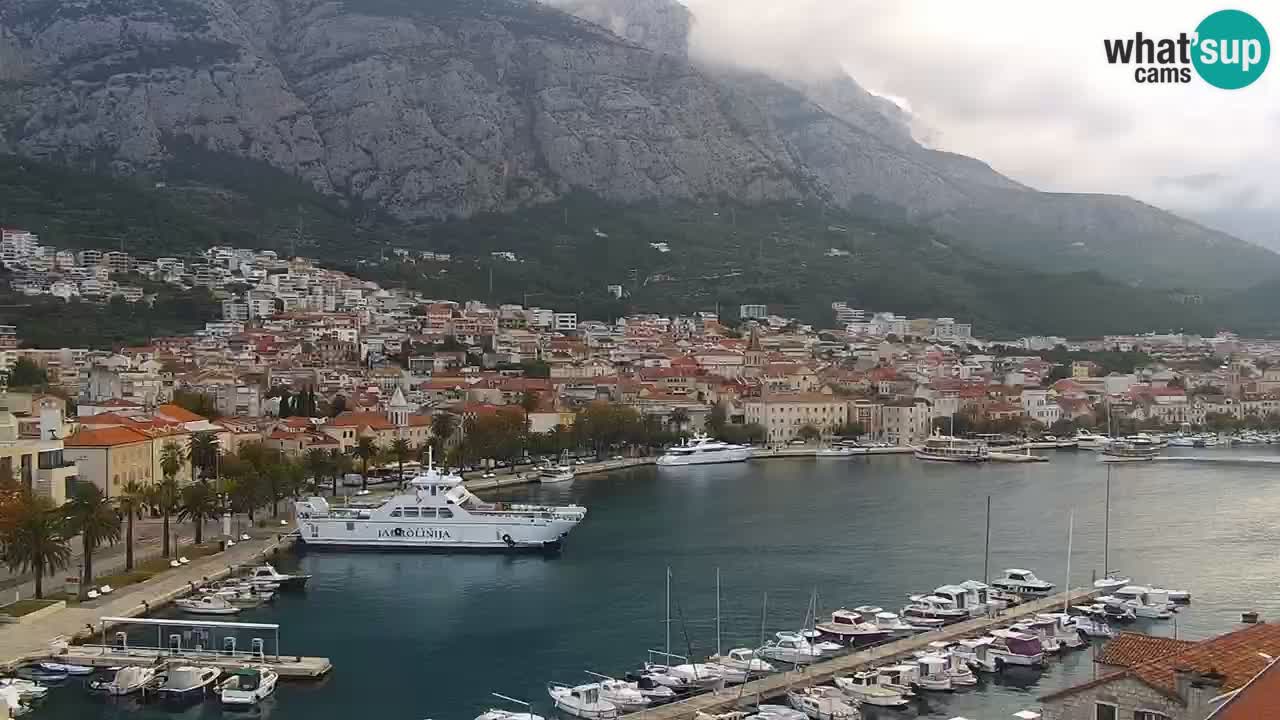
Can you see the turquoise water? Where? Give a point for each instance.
(430, 636)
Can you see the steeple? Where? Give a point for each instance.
(398, 409)
(755, 358)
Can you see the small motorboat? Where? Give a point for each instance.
(1010, 647)
(957, 668)
(1179, 596)
(823, 703)
(778, 712)
(583, 701)
(127, 680)
(497, 714)
(38, 674)
(903, 678)
(1065, 630)
(247, 686)
(655, 692)
(625, 695)
(268, 573)
(933, 607)
(187, 683)
(206, 605)
(976, 653)
(11, 705)
(1112, 581)
(708, 674)
(848, 627)
(897, 626)
(933, 674)
(862, 687)
(826, 647)
(54, 667)
(1091, 626)
(1044, 631)
(743, 659)
(28, 690)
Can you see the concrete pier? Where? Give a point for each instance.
(773, 686)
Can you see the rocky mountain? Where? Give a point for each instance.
(450, 108)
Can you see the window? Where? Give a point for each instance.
(411, 512)
(1149, 715)
(395, 513)
(446, 513)
(1104, 711)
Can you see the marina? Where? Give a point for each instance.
(598, 606)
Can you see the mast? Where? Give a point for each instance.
(1106, 530)
(667, 624)
(986, 553)
(1071, 527)
(764, 613)
(718, 651)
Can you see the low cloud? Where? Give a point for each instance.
(1025, 87)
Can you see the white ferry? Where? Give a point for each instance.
(952, 449)
(702, 450)
(439, 514)
(1126, 451)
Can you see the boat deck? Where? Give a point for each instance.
(758, 691)
(288, 666)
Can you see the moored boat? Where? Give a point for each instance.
(702, 450)
(206, 605)
(582, 701)
(268, 574)
(823, 703)
(943, 448)
(1023, 582)
(248, 686)
(184, 684)
(127, 680)
(862, 687)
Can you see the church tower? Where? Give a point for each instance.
(398, 410)
(755, 354)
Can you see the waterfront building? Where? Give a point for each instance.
(782, 415)
(905, 422)
(110, 457)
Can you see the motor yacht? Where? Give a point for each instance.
(1010, 647)
(933, 607)
(961, 600)
(744, 659)
(1086, 440)
(981, 594)
(848, 627)
(957, 669)
(626, 695)
(1064, 630)
(438, 514)
(1044, 631)
(791, 648)
(862, 687)
(943, 448)
(183, 684)
(552, 474)
(267, 573)
(1023, 582)
(206, 605)
(1112, 581)
(703, 450)
(127, 680)
(976, 652)
(823, 703)
(933, 673)
(247, 686)
(582, 701)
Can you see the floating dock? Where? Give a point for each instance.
(772, 686)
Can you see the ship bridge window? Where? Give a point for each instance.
(395, 513)
(410, 512)
(446, 513)
(428, 512)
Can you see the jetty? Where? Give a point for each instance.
(1223, 460)
(772, 686)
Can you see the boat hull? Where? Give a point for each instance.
(539, 535)
(932, 457)
(718, 457)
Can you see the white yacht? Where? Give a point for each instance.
(439, 514)
(944, 448)
(791, 648)
(743, 659)
(1022, 582)
(961, 599)
(206, 605)
(823, 703)
(933, 673)
(1086, 440)
(848, 627)
(702, 450)
(248, 686)
(933, 607)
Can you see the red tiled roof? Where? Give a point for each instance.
(115, 402)
(361, 419)
(179, 413)
(104, 437)
(1258, 700)
(1130, 648)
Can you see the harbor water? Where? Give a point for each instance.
(416, 636)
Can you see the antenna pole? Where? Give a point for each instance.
(986, 554)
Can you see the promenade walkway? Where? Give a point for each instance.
(22, 643)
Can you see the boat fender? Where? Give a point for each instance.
(507, 539)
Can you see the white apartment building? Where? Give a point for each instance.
(565, 322)
(905, 423)
(1039, 406)
(782, 415)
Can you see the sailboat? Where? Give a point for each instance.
(741, 664)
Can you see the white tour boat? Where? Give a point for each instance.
(439, 514)
(551, 474)
(248, 686)
(702, 450)
(944, 448)
(583, 701)
(1022, 582)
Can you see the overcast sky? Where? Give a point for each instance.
(1025, 87)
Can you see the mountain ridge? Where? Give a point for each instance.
(457, 108)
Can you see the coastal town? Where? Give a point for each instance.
(373, 365)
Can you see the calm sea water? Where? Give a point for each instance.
(430, 636)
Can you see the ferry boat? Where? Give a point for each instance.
(952, 449)
(439, 514)
(549, 473)
(702, 450)
(1125, 451)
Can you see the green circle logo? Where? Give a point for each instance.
(1232, 49)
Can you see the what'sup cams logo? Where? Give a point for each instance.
(1229, 50)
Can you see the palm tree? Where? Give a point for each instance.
(442, 427)
(94, 518)
(679, 417)
(33, 537)
(164, 495)
(198, 504)
(131, 501)
(366, 449)
(204, 452)
(401, 451)
(341, 466)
